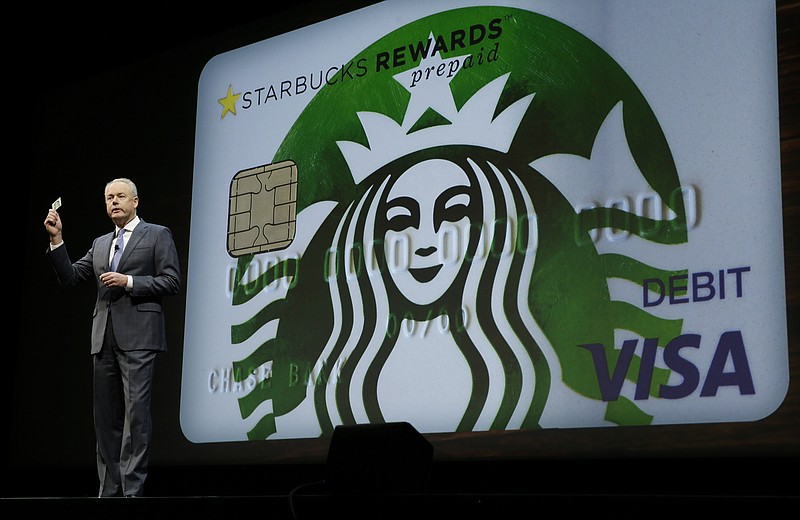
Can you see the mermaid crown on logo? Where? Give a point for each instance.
(472, 125)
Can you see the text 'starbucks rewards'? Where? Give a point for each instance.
(512, 215)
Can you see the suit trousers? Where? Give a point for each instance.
(122, 382)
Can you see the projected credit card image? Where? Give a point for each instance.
(503, 216)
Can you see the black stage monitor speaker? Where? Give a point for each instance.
(386, 458)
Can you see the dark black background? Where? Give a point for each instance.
(97, 94)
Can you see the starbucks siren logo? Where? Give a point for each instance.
(444, 280)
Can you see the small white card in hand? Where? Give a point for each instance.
(57, 203)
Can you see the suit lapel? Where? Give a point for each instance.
(106, 244)
(136, 236)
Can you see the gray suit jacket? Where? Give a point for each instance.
(151, 258)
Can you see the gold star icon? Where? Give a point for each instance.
(229, 102)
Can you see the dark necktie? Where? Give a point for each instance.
(117, 250)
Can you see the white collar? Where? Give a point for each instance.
(130, 226)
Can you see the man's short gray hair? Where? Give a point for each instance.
(130, 183)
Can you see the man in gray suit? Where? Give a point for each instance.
(134, 267)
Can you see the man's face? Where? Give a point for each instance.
(120, 204)
(425, 209)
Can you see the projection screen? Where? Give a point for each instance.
(496, 216)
